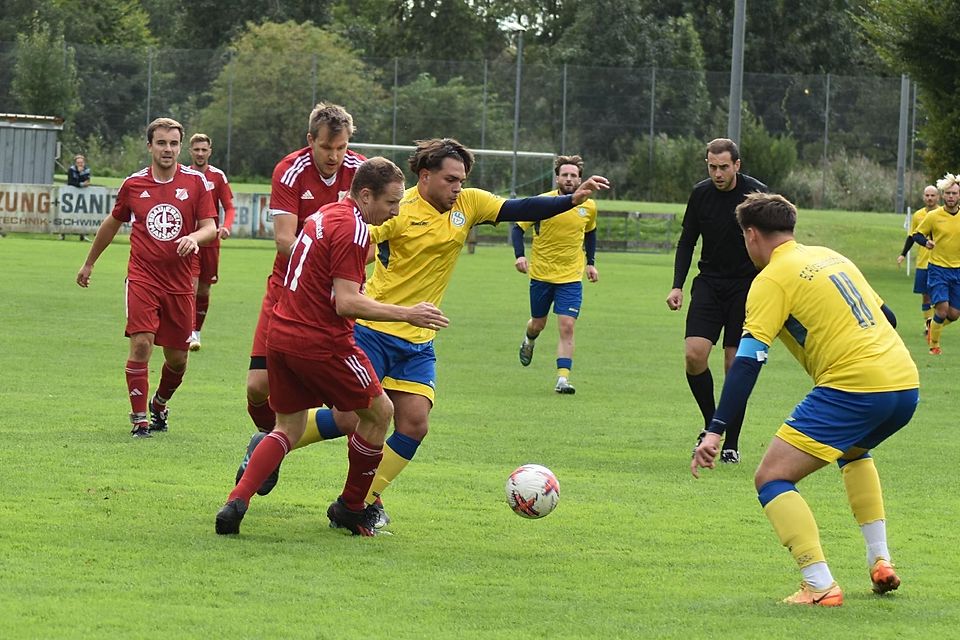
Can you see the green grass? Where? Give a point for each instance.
(106, 537)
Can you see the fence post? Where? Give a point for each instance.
(149, 81)
(902, 139)
(826, 144)
(483, 119)
(563, 117)
(396, 76)
(653, 110)
(229, 109)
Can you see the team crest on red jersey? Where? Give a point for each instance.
(182, 194)
(164, 222)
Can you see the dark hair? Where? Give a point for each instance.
(334, 116)
(375, 174)
(576, 161)
(722, 145)
(430, 155)
(767, 213)
(163, 123)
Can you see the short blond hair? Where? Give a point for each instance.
(947, 181)
(200, 137)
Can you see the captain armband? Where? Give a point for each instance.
(752, 349)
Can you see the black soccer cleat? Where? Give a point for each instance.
(140, 431)
(377, 514)
(359, 523)
(230, 516)
(271, 480)
(158, 419)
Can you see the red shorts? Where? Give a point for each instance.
(263, 322)
(346, 382)
(169, 316)
(206, 263)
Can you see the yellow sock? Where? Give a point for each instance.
(862, 482)
(793, 521)
(935, 329)
(928, 314)
(390, 467)
(312, 433)
(563, 372)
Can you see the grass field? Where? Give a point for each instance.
(103, 536)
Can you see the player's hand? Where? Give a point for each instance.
(931, 244)
(675, 299)
(587, 187)
(592, 274)
(705, 455)
(83, 276)
(187, 246)
(224, 233)
(426, 316)
(900, 260)
(521, 264)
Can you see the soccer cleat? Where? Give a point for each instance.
(140, 431)
(935, 351)
(158, 418)
(832, 596)
(194, 341)
(377, 514)
(526, 352)
(359, 523)
(564, 387)
(730, 456)
(230, 516)
(883, 576)
(271, 480)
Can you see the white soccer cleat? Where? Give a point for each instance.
(194, 341)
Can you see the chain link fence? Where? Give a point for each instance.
(813, 137)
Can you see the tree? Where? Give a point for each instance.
(275, 74)
(45, 75)
(920, 38)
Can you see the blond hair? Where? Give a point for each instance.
(947, 181)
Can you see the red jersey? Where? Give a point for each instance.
(161, 213)
(332, 244)
(222, 198)
(299, 189)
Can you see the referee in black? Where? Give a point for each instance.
(719, 292)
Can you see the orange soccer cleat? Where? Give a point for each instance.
(883, 576)
(832, 596)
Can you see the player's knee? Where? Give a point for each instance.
(536, 325)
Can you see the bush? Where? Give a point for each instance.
(850, 183)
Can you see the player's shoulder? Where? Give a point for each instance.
(751, 184)
(352, 160)
(702, 188)
(136, 177)
(292, 165)
(187, 175)
(218, 172)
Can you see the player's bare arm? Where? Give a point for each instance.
(588, 187)
(284, 232)
(105, 234)
(190, 244)
(351, 303)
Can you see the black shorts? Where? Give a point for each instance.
(715, 304)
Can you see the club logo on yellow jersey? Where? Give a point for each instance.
(457, 218)
(582, 212)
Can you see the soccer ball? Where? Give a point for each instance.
(532, 491)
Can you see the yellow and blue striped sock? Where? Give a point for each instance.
(320, 426)
(398, 451)
(793, 521)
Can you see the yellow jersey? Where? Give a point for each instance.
(944, 229)
(417, 251)
(923, 254)
(557, 255)
(829, 318)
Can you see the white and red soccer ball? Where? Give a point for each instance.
(532, 491)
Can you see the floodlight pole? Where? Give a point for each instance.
(736, 70)
(516, 108)
(902, 140)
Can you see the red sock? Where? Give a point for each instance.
(262, 415)
(169, 381)
(266, 457)
(364, 459)
(138, 382)
(203, 303)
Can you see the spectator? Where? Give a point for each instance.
(78, 175)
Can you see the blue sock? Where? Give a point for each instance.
(326, 425)
(403, 446)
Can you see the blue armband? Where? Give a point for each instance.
(739, 382)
